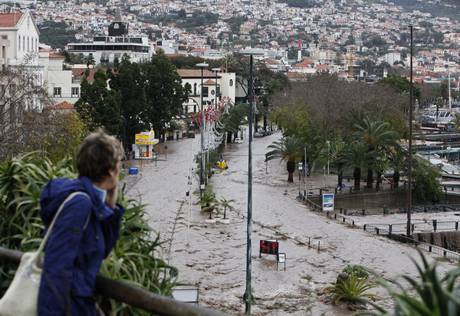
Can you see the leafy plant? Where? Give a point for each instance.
(134, 258)
(357, 270)
(226, 205)
(429, 295)
(352, 289)
(208, 201)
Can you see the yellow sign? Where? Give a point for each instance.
(146, 138)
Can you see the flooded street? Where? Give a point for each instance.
(212, 256)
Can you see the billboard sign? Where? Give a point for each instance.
(328, 202)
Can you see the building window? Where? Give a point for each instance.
(4, 37)
(75, 92)
(57, 92)
(19, 42)
(205, 92)
(194, 88)
(23, 43)
(231, 82)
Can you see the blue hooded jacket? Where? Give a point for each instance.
(84, 234)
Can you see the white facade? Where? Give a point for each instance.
(226, 83)
(19, 38)
(57, 80)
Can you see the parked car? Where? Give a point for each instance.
(238, 140)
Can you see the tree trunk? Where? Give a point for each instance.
(396, 179)
(290, 166)
(357, 176)
(340, 176)
(370, 178)
(379, 181)
(229, 137)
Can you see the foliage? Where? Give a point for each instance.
(400, 84)
(151, 94)
(352, 289)
(64, 135)
(426, 179)
(135, 256)
(356, 269)
(19, 96)
(226, 205)
(208, 201)
(98, 106)
(289, 149)
(429, 294)
(56, 34)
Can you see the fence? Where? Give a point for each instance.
(448, 254)
(132, 295)
(397, 231)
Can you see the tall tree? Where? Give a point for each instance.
(130, 84)
(163, 91)
(378, 136)
(98, 106)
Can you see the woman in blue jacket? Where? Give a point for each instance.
(85, 231)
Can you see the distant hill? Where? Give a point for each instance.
(438, 8)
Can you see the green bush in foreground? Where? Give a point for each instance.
(428, 295)
(134, 259)
(352, 284)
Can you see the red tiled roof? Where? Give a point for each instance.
(306, 62)
(9, 19)
(62, 106)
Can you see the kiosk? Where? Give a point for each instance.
(144, 144)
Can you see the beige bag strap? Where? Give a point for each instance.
(50, 228)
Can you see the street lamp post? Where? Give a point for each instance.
(409, 192)
(215, 70)
(248, 290)
(300, 168)
(202, 66)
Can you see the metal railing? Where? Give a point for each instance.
(132, 295)
(446, 253)
(432, 226)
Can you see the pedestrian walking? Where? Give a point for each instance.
(85, 229)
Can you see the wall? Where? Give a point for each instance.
(391, 199)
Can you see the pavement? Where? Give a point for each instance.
(212, 256)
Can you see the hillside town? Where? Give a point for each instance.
(210, 157)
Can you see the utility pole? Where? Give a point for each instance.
(248, 292)
(409, 192)
(202, 66)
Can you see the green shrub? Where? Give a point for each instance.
(134, 258)
(356, 270)
(352, 289)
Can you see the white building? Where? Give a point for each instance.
(19, 39)
(118, 43)
(226, 82)
(58, 81)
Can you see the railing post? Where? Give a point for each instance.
(456, 225)
(429, 248)
(319, 245)
(377, 230)
(364, 227)
(435, 224)
(390, 229)
(364, 212)
(413, 227)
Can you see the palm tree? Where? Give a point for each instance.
(356, 156)
(378, 136)
(288, 149)
(208, 202)
(225, 204)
